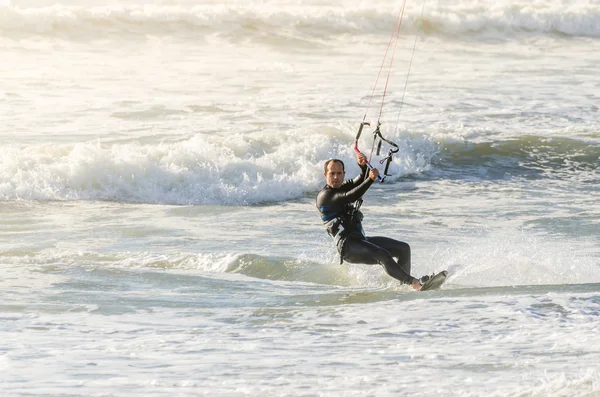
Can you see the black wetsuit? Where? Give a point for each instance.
(340, 213)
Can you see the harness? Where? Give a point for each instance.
(343, 224)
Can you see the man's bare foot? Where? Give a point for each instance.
(416, 284)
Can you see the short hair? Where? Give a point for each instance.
(335, 161)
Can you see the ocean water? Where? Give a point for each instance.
(159, 162)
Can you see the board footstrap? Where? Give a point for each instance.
(435, 282)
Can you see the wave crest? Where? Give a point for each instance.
(300, 22)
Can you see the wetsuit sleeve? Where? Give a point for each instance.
(340, 197)
(352, 183)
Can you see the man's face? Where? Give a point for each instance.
(335, 174)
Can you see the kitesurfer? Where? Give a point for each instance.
(339, 204)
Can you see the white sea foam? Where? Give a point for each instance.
(497, 344)
(510, 257)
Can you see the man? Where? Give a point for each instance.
(339, 202)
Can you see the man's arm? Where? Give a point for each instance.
(361, 159)
(340, 197)
(352, 183)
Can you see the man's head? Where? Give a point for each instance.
(334, 172)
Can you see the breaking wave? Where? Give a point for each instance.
(259, 168)
(310, 22)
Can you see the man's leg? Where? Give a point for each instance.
(363, 251)
(397, 249)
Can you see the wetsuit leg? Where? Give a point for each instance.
(398, 249)
(364, 251)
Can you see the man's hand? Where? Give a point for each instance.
(361, 158)
(374, 173)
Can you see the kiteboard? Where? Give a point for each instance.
(435, 281)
